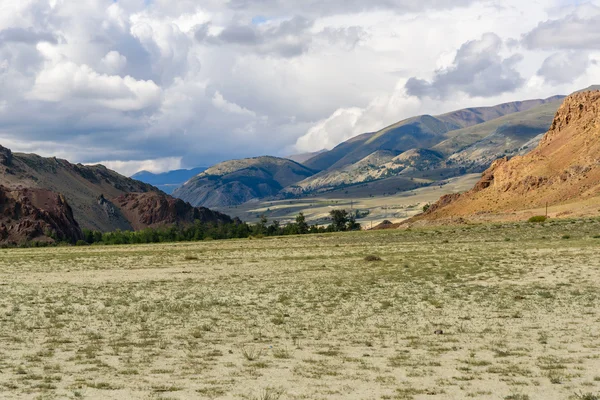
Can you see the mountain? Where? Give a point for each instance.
(168, 181)
(303, 157)
(238, 181)
(564, 168)
(91, 191)
(35, 215)
(439, 147)
(424, 131)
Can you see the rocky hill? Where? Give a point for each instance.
(157, 209)
(28, 215)
(91, 191)
(563, 169)
(238, 181)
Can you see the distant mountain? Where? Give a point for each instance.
(432, 147)
(93, 193)
(238, 181)
(168, 181)
(424, 131)
(303, 157)
(563, 169)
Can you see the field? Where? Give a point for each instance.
(484, 311)
(384, 199)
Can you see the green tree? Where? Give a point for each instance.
(340, 220)
(352, 224)
(301, 225)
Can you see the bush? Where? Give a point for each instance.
(81, 243)
(538, 219)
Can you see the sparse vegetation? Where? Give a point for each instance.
(452, 312)
(538, 219)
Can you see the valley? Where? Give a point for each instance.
(494, 311)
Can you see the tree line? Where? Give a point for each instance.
(341, 221)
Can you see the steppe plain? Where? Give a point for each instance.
(494, 311)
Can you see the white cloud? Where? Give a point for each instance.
(114, 62)
(129, 168)
(219, 102)
(66, 81)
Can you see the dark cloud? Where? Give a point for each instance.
(26, 36)
(571, 32)
(564, 67)
(478, 70)
(289, 38)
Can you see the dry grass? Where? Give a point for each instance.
(308, 318)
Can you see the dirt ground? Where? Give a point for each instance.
(341, 316)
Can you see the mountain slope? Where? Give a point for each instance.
(564, 168)
(418, 132)
(440, 145)
(238, 181)
(168, 181)
(89, 190)
(28, 215)
(303, 157)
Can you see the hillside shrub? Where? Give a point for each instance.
(537, 219)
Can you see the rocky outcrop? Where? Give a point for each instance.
(564, 168)
(5, 157)
(156, 209)
(29, 215)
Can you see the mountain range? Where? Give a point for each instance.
(425, 148)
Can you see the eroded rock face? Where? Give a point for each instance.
(28, 215)
(564, 168)
(156, 209)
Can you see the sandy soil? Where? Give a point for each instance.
(309, 317)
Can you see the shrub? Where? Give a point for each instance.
(537, 219)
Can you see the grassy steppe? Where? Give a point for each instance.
(310, 317)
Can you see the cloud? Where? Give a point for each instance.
(26, 36)
(336, 7)
(129, 168)
(478, 70)
(564, 67)
(114, 62)
(571, 32)
(207, 81)
(347, 123)
(287, 38)
(67, 81)
(219, 102)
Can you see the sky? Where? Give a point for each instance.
(165, 84)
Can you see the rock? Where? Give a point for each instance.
(155, 209)
(29, 215)
(5, 157)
